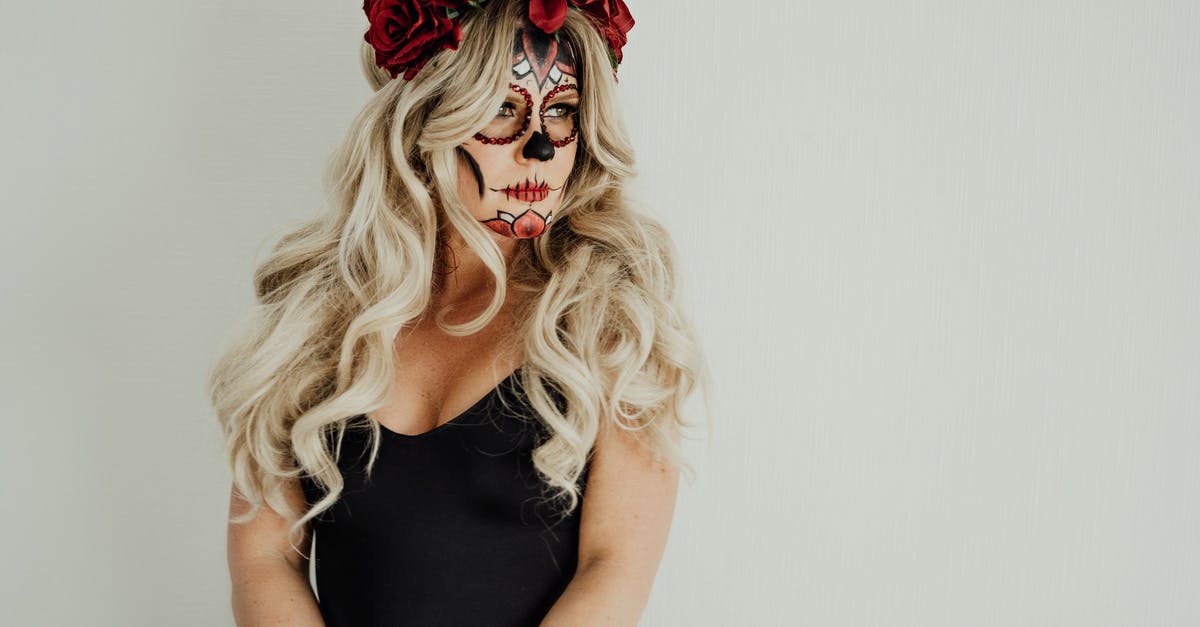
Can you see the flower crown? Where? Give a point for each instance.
(406, 33)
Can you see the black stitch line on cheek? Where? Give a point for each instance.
(474, 170)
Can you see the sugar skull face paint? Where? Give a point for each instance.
(512, 172)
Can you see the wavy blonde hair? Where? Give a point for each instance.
(601, 327)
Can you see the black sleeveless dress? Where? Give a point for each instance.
(452, 528)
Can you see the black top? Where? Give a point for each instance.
(453, 527)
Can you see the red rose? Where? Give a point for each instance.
(612, 18)
(405, 33)
(548, 15)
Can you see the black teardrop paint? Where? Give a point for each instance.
(474, 169)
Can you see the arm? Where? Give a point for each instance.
(627, 510)
(270, 581)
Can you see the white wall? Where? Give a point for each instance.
(944, 258)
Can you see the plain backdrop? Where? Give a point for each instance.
(943, 255)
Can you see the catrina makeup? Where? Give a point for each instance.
(513, 171)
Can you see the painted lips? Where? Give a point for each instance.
(527, 191)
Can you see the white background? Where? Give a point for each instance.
(943, 256)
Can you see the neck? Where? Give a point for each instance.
(460, 275)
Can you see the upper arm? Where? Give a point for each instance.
(265, 537)
(628, 504)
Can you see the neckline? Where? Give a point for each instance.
(475, 407)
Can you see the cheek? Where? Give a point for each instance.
(476, 168)
(468, 184)
(563, 163)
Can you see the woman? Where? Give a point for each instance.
(480, 333)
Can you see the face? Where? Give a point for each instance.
(512, 173)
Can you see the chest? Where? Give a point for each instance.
(439, 376)
(451, 528)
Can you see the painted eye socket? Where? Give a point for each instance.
(510, 122)
(559, 119)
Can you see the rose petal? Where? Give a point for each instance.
(548, 15)
(612, 18)
(406, 33)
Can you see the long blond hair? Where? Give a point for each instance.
(602, 327)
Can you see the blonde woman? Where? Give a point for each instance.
(464, 381)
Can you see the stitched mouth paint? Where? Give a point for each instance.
(526, 191)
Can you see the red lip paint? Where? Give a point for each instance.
(527, 191)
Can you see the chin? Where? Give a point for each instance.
(521, 221)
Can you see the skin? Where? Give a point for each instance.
(627, 513)
(516, 188)
(630, 497)
(623, 528)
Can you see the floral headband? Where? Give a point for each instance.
(406, 33)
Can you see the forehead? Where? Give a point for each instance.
(540, 62)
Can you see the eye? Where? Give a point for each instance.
(560, 110)
(506, 110)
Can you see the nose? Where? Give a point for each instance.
(538, 147)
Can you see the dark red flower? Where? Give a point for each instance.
(611, 17)
(548, 15)
(406, 33)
